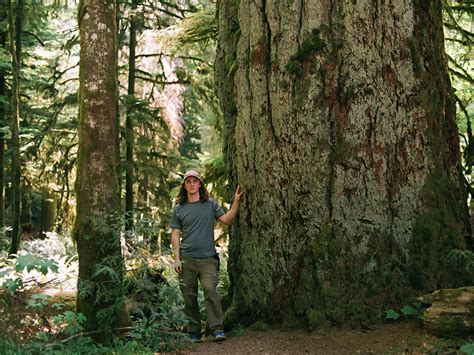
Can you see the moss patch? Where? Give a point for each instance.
(311, 45)
(436, 232)
(352, 288)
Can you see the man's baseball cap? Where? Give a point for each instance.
(193, 173)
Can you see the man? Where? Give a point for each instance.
(195, 257)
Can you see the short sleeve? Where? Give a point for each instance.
(175, 222)
(218, 211)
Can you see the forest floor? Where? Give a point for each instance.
(397, 338)
(389, 338)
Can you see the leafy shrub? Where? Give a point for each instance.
(50, 261)
(412, 311)
(156, 309)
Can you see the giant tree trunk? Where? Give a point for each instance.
(96, 231)
(16, 28)
(340, 126)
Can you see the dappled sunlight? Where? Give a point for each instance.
(49, 264)
(306, 169)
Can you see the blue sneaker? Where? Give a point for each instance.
(195, 337)
(218, 336)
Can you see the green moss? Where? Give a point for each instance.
(354, 287)
(311, 45)
(436, 231)
(231, 317)
(322, 245)
(294, 67)
(258, 326)
(307, 285)
(416, 57)
(448, 307)
(316, 319)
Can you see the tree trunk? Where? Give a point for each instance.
(15, 47)
(117, 102)
(3, 121)
(225, 66)
(129, 121)
(96, 230)
(25, 211)
(49, 210)
(347, 150)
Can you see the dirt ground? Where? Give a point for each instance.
(394, 338)
(399, 338)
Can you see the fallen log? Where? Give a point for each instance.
(451, 312)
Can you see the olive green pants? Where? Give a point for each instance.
(206, 271)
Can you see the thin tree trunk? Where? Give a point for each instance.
(96, 230)
(3, 120)
(347, 150)
(25, 211)
(117, 104)
(129, 122)
(15, 46)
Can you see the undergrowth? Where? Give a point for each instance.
(37, 303)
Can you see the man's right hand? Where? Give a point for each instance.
(177, 266)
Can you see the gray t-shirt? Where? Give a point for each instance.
(196, 221)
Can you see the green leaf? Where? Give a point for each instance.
(58, 306)
(69, 317)
(58, 319)
(38, 301)
(391, 314)
(41, 336)
(81, 318)
(13, 285)
(408, 311)
(30, 262)
(468, 348)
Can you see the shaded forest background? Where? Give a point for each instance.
(169, 120)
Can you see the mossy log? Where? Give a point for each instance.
(451, 312)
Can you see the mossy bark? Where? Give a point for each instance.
(225, 65)
(347, 150)
(129, 121)
(15, 32)
(96, 230)
(3, 120)
(26, 214)
(48, 210)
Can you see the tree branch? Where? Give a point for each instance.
(183, 82)
(35, 36)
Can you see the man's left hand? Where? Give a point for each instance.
(238, 194)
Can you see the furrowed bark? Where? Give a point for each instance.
(347, 150)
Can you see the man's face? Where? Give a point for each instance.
(192, 185)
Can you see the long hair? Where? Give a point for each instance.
(183, 194)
